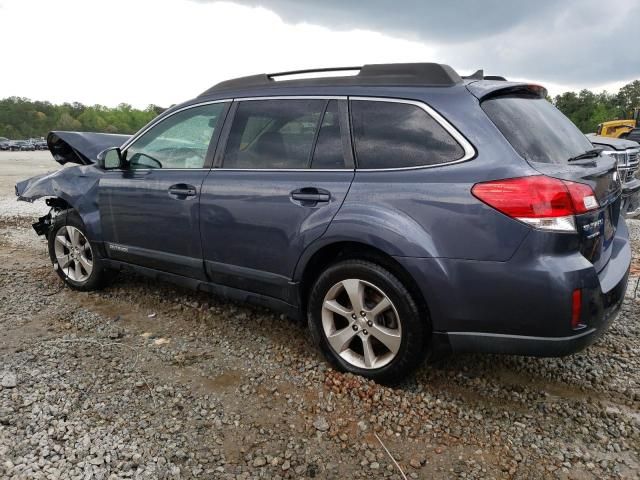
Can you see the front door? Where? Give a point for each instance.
(149, 210)
(285, 170)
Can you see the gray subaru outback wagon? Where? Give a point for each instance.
(401, 211)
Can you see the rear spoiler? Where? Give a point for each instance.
(81, 147)
(483, 90)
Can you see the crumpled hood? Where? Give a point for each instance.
(81, 147)
(67, 183)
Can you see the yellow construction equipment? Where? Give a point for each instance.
(620, 128)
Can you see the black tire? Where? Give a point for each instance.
(415, 326)
(99, 274)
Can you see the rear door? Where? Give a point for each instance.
(149, 210)
(548, 140)
(285, 166)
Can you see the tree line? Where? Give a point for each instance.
(587, 109)
(22, 118)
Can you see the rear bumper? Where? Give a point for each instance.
(536, 346)
(522, 306)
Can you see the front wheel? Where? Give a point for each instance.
(366, 321)
(74, 258)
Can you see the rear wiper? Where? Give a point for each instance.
(594, 152)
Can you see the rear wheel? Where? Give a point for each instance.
(366, 322)
(74, 258)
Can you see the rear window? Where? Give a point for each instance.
(537, 130)
(397, 135)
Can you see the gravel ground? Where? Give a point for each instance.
(147, 380)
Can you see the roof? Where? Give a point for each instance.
(401, 74)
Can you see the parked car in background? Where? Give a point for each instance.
(627, 154)
(22, 145)
(5, 143)
(41, 145)
(401, 211)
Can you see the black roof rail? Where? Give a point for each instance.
(407, 74)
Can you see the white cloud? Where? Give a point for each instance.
(164, 52)
(145, 51)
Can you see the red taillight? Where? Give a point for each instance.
(582, 196)
(541, 201)
(576, 309)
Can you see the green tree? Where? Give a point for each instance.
(629, 97)
(23, 118)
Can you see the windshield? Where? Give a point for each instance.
(537, 130)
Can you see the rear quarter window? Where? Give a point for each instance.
(398, 135)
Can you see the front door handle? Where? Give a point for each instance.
(182, 190)
(310, 195)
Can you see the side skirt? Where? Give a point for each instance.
(223, 291)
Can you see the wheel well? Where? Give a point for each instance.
(336, 252)
(58, 203)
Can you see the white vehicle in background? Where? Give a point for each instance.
(627, 153)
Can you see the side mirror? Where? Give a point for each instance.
(110, 159)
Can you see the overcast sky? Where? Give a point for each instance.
(166, 51)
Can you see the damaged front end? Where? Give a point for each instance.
(81, 147)
(73, 187)
(43, 225)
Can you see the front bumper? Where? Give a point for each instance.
(632, 209)
(631, 197)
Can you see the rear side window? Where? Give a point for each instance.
(537, 130)
(273, 134)
(397, 135)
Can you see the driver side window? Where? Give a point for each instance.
(179, 141)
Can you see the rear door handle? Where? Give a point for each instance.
(310, 195)
(182, 190)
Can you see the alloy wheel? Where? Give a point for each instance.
(361, 324)
(73, 253)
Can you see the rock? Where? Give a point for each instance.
(612, 411)
(9, 380)
(321, 424)
(90, 407)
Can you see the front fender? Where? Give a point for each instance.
(77, 186)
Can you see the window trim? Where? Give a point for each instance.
(316, 135)
(218, 163)
(350, 156)
(469, 150)
(208, 160)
